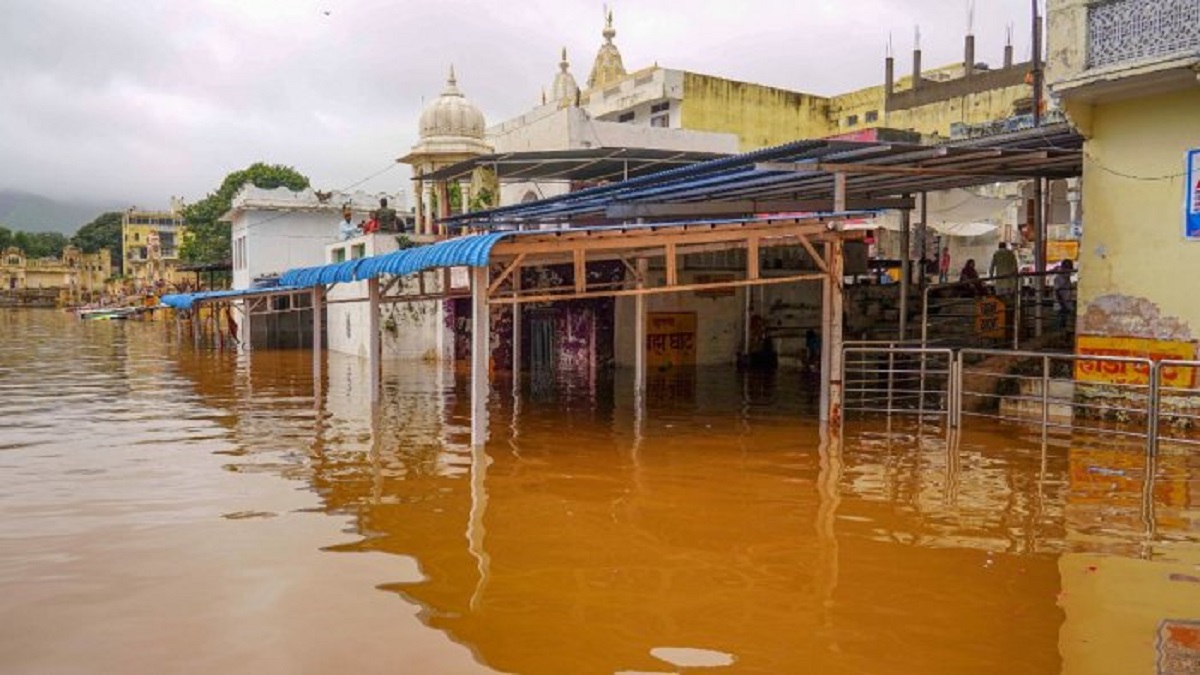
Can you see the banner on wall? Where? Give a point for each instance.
(1191, 208)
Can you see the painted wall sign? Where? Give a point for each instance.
(1191, 209)
(1133, 373)
(989, 318)
(670, 339)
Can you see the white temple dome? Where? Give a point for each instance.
(452, 115)
(565, 90)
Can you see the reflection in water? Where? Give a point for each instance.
(711, 524)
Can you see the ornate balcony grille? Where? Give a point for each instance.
(1123, 31)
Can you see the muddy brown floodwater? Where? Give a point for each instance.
(168, 510)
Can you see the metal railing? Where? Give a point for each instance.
(897, 378)
(994, 312)
(1107, 396)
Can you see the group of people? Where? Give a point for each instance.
(1005, 270)
(381, 219)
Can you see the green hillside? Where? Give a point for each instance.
(34, 213)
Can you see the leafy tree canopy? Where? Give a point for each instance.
(208, 238)
(103, 232)
(6, 236)
(40, 244)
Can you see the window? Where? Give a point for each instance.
(872, 116)
(852, 120)
(339, 255)
(625, 117)
(137, 236)
(660, 114)
(357, 251)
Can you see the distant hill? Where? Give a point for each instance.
(35, 213)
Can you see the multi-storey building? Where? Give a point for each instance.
(150, 243)
(75, 276)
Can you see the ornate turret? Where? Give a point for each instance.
(451, 115)
(564, 91)
(608, 67)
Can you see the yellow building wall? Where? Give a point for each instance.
(1133, 245)
(936, 118)
(761, 116)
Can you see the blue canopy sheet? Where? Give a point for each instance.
(470, 251)
(187, 300)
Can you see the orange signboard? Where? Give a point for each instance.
(670, 339)
(989, 317)
(1134, 373)
(1066, 249)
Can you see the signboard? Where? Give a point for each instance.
(1134, 373)
(989, 318)
(670, 339)
(1191, 188)
(1065, 249)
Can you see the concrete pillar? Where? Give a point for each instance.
(916, 73)
(905, 267)
(318, 300)
(375, 346)
(639, 335)
(516, 341)
(831, 337)
(419, 207)
(969, 56)
(889, 75)
(480, 377)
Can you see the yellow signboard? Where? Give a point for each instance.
(1066, 249)
(670, 339)
(989, 317)
(1134, 373)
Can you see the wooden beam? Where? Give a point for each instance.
(503, 276)
(752, 260)
(621, 292)
(749, 206)
(625, 240)
(670, 262)
(580, 270)
(817, 258)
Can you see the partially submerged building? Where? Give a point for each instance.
(1127, 73)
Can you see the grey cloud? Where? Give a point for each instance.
(140, 101)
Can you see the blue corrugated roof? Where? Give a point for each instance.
(469, 251)
(187, 300)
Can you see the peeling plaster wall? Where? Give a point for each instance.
(1134, 262)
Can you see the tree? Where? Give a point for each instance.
(207, 240)
(103, 232)
(6, 237)
(40, 244)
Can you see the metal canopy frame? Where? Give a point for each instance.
(797, 176)
(589, 164)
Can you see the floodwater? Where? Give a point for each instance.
(168, 510)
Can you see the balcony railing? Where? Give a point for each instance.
(1128, 31)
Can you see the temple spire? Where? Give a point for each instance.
(608, 67)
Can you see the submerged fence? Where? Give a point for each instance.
(1110, 396)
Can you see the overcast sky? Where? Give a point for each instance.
(135, 101)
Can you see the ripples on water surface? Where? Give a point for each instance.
(171, 510)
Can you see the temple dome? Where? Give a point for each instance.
(451, 115)
(564, 91)
(608, 67)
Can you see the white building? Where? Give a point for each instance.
(277, 230)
